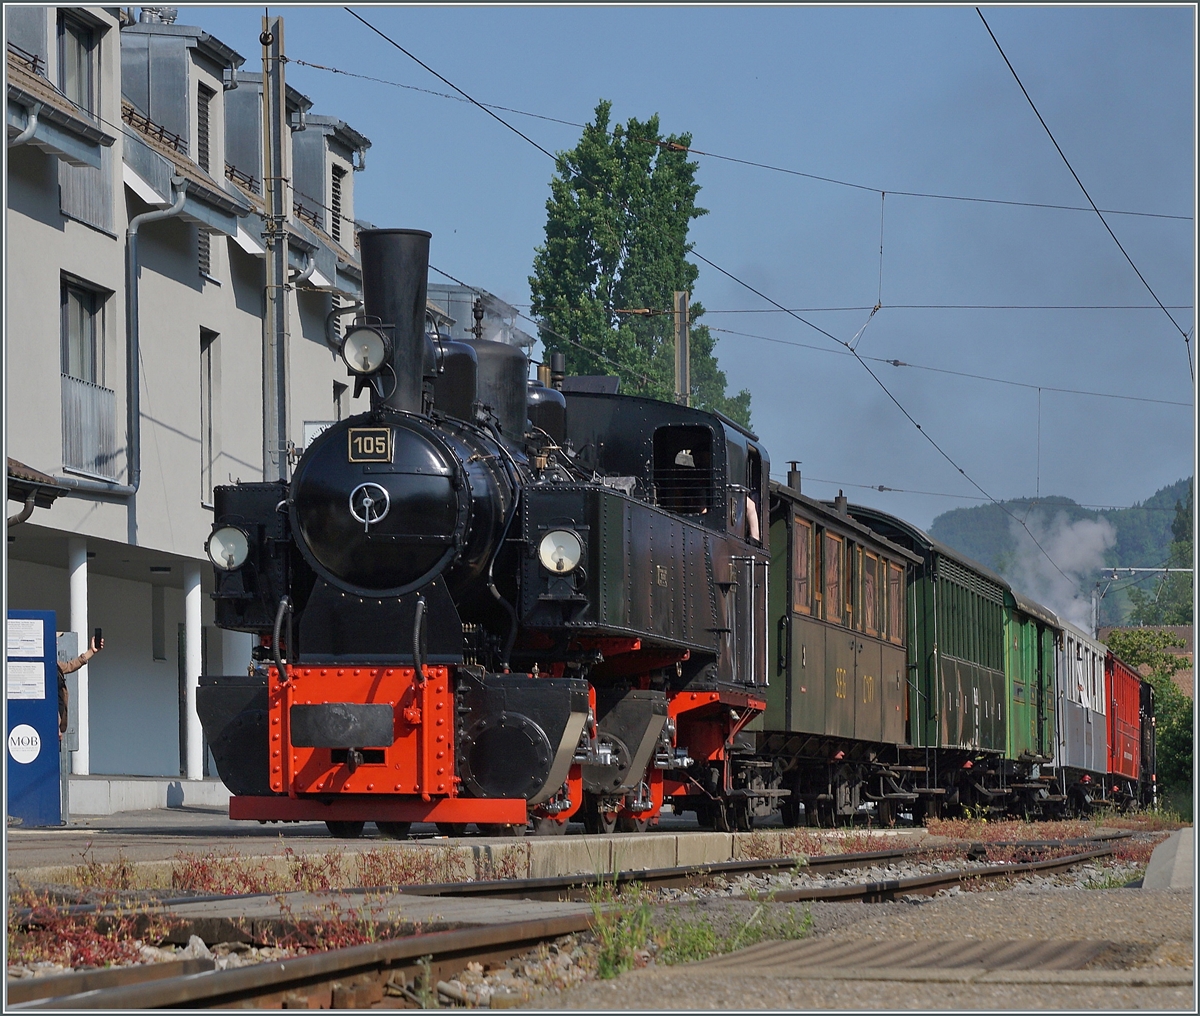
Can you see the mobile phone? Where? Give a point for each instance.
(97, 635)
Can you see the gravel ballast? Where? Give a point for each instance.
(1158, 922)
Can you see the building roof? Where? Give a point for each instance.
(341, 130)
(200, 184)
(25, 88)
(24, 480)
(209, 45)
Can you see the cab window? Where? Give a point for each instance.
(683, 469)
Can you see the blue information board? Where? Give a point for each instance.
(31, 690)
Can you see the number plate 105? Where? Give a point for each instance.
(370, 444)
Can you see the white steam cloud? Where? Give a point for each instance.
(1076, 547)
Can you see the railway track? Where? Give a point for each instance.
(412, 970)
(559, 887)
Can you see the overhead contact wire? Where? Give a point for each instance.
(1067, 162)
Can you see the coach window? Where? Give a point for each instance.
(834, 568)
(683, 473)
(801, 565)
(895, 603)
(870, 593)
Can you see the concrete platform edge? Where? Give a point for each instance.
(1171, 865)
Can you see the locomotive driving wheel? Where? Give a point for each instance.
(632, 824)
(394, 830)
(346, 830)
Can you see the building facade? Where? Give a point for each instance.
(134, 326)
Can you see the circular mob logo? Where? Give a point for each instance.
(24, 743)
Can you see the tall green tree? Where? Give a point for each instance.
(1170, 601)
(621, 203)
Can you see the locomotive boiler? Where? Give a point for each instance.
(490, 601)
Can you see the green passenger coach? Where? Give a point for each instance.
(981, 665)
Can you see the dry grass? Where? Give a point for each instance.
(224, 875)
(50, 934)
(811, 843)
(388, 866)
(979, 830)
(105, 875)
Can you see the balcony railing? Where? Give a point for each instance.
(89, 428)
(31, 60)
(151, 129)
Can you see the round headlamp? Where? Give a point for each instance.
(228, 548)
(560, 551)
(365, 349)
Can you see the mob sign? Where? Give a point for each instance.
(31, 690)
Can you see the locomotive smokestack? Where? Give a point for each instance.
(395, 266)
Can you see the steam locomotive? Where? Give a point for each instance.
(497, 601)
(487, 601)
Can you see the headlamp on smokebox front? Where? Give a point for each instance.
(366, 349)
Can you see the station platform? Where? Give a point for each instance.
(109, 795)
(1172, 865)
(149, 841)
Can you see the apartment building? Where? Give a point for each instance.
(135, 343)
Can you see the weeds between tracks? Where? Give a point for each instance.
(631, 933)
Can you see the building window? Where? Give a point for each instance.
(208, 377)
(89, 410)
(204, 252)
(335, 204)
(801, 558)
(204, 97)
(82, 349)
(158, 622)
(77, 62)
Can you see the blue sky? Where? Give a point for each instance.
(914, 99)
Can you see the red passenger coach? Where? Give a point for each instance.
(1124, 721)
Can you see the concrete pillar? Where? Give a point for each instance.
(77, 566)
(193, 633)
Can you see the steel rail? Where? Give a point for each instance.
(226, 987)
(928, 885)
(548, 887)
(447, 952)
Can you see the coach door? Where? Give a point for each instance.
(807, 674)
(840, 641)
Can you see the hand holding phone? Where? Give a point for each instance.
(97, 640)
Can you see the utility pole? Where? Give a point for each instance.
(683, 353)
(275, 181)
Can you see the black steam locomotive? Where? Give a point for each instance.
(492, 600)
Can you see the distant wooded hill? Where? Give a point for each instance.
(1141, 536)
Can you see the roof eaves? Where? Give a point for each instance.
(26, 88)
